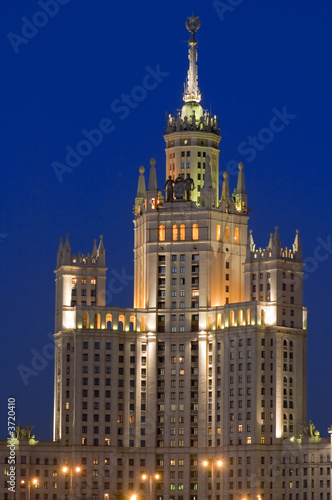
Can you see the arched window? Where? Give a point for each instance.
(291, 416)
(109, 320)
(290, 343)
(175, 232)
(218, 232)
(86, 320)
(161, 233)
(227, 234)
(236, 235)
(285, 416)
(262, 317)
(285, 380)
(132, 323)
(121, 322)
(97, 321)
(219, 317)
(285, 343)
(182, 232)
(143, 324)
(290, 380)
(248, 316)
(195, 232)
(232, 318)
(210, 322)
(240, 317)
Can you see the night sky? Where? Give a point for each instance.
(255, 59)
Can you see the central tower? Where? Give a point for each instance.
(193, 133)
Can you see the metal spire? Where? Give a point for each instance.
(191, 91)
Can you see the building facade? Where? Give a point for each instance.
(199, 390)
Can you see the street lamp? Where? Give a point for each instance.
(71, 470)
(31, 481)
(213, 463)
(150, 477)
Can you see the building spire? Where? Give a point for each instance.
(191, 91)
(153, 176)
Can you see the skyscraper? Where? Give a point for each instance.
(199, 390)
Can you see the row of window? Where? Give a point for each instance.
(179, 232)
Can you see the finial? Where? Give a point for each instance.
(276, 228)
(152, 162)
(141, 170)
(153, 176)
(225, 175)
(241, 166)
(191, 92)
(101, 236)
(61, 240)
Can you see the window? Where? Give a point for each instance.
(174, 232)
(195, 232)
(218, 232)
(182, 232)
(162, 233)
(227, 234)
(236, 235)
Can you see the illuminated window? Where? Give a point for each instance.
(248, 440)
(227, 234)
(67, 405)
(248, 317)
(74, 281)
(195, 231)
(86, 320)
(83, 281)
(219, 320)
(161, 233)
(232, 318)
(93, 281)
(182, 232)
(236, 235)
(175, 232)
(218, 233)
(240, 428)
(240, 317)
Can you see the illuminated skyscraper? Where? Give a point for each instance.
(199, 390)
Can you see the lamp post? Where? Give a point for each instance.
(150, 477)
(71, 471)
(213, 463)
(31, 481)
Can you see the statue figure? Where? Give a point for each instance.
(189, 186)
(179, 188)
(169, 188)
(311, 429)
(18, 431)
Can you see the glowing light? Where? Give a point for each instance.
(22, 481)
(144, 476)
(34, 481)
(133, 497)
(78, 469)
(65, 469)
(205, 463)
(157, 476)
(219, 463)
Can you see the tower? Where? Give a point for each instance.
(208, 367)
(193, 133)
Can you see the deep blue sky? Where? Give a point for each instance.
(261, 56)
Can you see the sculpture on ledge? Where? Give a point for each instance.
(169, 188)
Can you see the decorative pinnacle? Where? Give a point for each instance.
(191, 92)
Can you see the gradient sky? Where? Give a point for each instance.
(255, 59)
